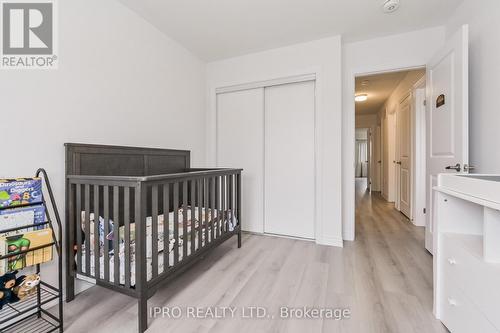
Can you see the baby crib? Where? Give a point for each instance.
(138, 217)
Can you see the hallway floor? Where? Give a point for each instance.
(384, 278)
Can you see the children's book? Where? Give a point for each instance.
(20, 192)
(22, 242)
(19, 217)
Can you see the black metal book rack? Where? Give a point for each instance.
(31, 315)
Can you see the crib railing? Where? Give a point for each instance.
(155, 223)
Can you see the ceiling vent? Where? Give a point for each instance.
(390, 6)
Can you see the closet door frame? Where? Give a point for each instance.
(315, 76)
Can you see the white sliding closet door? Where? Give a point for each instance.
(240, 144)
(290, 159)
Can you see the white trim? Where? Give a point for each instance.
(267, 83)
(86, 279)
(311, 74)
(331, 241)
(269, 234)
(328, 241)
(420, 84)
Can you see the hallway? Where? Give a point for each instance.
(399, 268)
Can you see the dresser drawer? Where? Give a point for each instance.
(459, 314)
(478, 280)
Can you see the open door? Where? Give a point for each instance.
(447, 116)
(404, 163)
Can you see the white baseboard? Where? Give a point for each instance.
(330, 241)
(417, 223)
(349, 236)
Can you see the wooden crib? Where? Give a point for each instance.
(138, 217)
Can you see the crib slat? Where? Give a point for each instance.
(97, 238)
(193, 217)
(238, 199)
(231, 200)
(106, 232)
(154, 229)
(166, 226)
(205, 207)
(217, 205)
(176, 223)
(184, 219)
(141, 264)
(228, 203)
(71, 230)
(79, 228)
(126, 232)
(200, 216)
(223, 204)
(212, 207)
(87, 229)
(116, 235)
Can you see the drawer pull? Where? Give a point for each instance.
(452, 302)
(452, 261)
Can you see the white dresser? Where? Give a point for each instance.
(467, 252)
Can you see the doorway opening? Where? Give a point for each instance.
(363, 145)
(390, 125)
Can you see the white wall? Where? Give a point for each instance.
(366, 120)
(407, 50)
(484, 71)
(120, 81)
(402, 89)
(324, 58)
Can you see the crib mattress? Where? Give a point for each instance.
(192, 222)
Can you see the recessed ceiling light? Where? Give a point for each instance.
(361, 97)
(390, 6)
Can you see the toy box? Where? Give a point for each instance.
(21, 216)
(20, 192)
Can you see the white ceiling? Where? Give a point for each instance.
(216, 29)
(378, 88)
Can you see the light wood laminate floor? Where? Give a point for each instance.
(384, 278)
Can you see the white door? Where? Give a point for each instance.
(368, 159)
(290, 159)
(240, 144)
(377, 161)
(447, 116)
(404, 163)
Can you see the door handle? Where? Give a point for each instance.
(457, 167)
(468, 168)
(398, 162)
